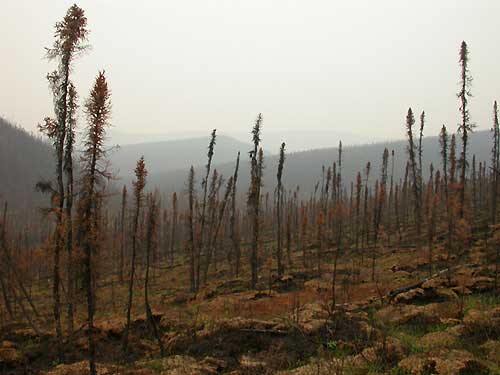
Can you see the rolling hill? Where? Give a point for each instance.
(304, 168)
(166, 156)
(25, 159)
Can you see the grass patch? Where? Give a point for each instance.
(409, 334)
(482, 301)
(155, 365)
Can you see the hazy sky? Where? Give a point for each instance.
(328, 67)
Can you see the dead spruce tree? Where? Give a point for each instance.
(466, 126)
(380, 203)
(70, 35)
(233, 225)
(382, 197)
(420, 151)
(212, 203)
(495, 164)
(218, 220)
(365, 232)
(139, 185)
(151, 232)
(204, 184)
(97, 110)
(10, 265)
(432, 204)
(279, 209)
(443, 141)
(123, 225)
(190, 223)
(357, 206)
(411, 149)
(254, 197)
(68, 169)
(173, 236)
(339, 208)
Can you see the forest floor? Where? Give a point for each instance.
(448, 324)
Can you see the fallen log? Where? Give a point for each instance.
(272, 332)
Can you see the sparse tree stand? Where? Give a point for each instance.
(139, 185)
(8, 262)
(218, 220)
(70, 35)
(97, 110)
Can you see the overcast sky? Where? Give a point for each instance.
(345, 69)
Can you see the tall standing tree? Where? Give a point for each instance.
(339, 208)
(97, 110)
(190, 222)
(234, 233)
(357, 206)
(365, 234)
(380, 204)
(279, 209)
(123, 224)
(151, 232)
(420, 152)
(495, 164)
(443, 141)
(68, 169)
(254, 198)
(70, 36)
(411, 149)
(139, 185)
(466, 126)
(173, 236)
(210, 155)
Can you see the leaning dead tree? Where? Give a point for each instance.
(204, 184)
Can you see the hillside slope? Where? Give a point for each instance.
(24, 160)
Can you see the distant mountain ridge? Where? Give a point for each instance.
(25, 159)
(166, 156)
(304, 168)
